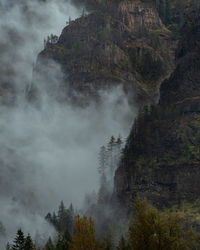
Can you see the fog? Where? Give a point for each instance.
(47, 153)
(24, 24)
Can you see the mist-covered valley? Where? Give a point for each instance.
(99, 125)
(49, 152)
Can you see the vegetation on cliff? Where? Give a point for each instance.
(133, 43)
(125, 43)
(161, 158)
(149, 230)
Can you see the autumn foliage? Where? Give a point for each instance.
(155, 230)
(84, 236)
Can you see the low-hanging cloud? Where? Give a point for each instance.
(48, 152)
(24, 25)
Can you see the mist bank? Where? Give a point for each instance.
(24, 25)
(49, 152)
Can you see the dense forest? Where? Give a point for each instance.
(150, 229)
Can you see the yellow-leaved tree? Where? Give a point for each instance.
(154, 230)
(84, 236)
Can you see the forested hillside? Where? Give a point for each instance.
(118, 43)
(115, 67)
(161, 157)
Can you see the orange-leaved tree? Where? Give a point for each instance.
(84, 236)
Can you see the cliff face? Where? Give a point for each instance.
(161, 160)
(125, 43)
(184, 82)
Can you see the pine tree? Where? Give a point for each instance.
(55, 220)
(110, 150)
(60, 245)
(49, 245)
(111, 142)
(70, 219)
(64, 240)
(102, 160)
(61, 210)
(65, 218)
(119, 141)
(52, 219)
(109, 242)
(103, 194)
(8, 247)
(71, 209)
(118, 150)
(19, 241)
(45, 43)
(29, 243)
(67, 238)
(123, 245)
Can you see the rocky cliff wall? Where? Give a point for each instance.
(161, 160)
(125, 44)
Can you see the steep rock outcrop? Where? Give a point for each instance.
(184, 82)
(125, 43)
(161, 160)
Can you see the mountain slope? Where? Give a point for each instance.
(124, 43)
(161, 160)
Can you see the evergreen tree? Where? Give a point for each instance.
(110, 150)
(65, 219)
(103, 194)
(49, 245)
(109, 242)
(119, 142)
(54, 220)
(61, 210)
(71, 219)
(71, 209)
(8, 247)
(67, 238)
(118, 150)
(111, 143)
(48, 217)
(45, 43)
(61, 214)
(102, 160)
(60, 245)
(19, 241)
(29, 243)
(64, 241)
(123, 245)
